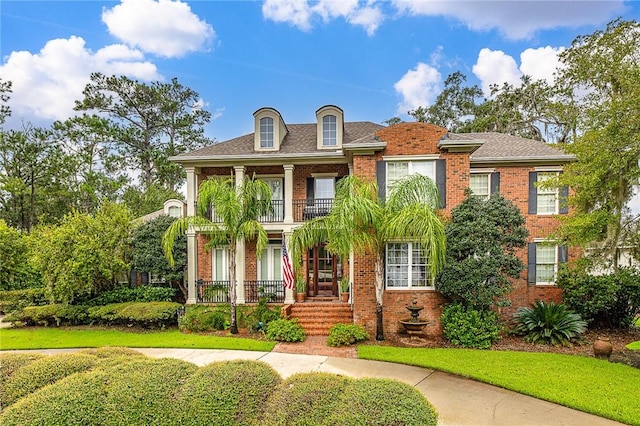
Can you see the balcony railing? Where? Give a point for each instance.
(310, 208)
(218, 291)
(275, 213)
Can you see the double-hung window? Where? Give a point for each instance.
(547, 198)
(396, 170)
(324, 188)
(479, 183)
(544, 259)
(406, 266)
(220, 264)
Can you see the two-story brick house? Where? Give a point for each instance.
(302, 162)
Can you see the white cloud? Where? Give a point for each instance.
(164, 27)
(46, 84)
(301, 13)
(496, 67)
(418, 87)
(517, 19)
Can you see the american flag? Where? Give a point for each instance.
(287, 270)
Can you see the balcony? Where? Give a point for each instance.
(311, 208)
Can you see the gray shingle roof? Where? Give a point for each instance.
(500, 146)
(301, 139)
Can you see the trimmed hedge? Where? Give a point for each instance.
(470, 328)
(56, 314)
(199, 318)
(42, 372)
(151, 314)
(15, 300)
(143, 293)
(285, 330)
(305, 399)
(227, 393)
(389, 402)
(10, 363)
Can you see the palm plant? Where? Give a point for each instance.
(548, 323)
(360, 222)
(237, 213)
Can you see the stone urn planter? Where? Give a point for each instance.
(602, 348)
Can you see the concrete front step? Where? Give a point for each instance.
(317, 318)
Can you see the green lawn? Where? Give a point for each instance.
(599, 387)
(56, 338)
(634, 345)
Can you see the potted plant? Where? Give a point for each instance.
(344, 289)
(301, 287)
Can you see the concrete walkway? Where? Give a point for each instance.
(459, 401)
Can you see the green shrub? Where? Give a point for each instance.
(144, 314)
(113, 355)
(389, 402)
(57, 314)
(227, 393)
(143, 293)
(42, 372)
(12, 362)
(346, 334)
(548, 323)
(604, 300)
(285, 330)
(198, 319)
(305, 399)
(262, 315)
(15, 300)
(470, 328)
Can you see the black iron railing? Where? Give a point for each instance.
(212, 291)
(275, 213)
(272, 290)
(310, 208)
(218, 291)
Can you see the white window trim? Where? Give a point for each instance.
(547, 243)
(409, 287)
(399, 158)
(409, 168)
(320, 114)
(324, 139)
(269, 257)
(225, 263)
(488, 195)
(555, 191)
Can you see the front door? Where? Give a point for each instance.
(322, 272)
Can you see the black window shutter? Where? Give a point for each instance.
(381, 179)
(563, 254)
(533, 193)
(564, 195)
(441, 181)
(495, 182)
(531, 264)
(310, 188)
(133, 277)
(144, 278)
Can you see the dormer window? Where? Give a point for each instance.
(266, 132)
(269, 130)
(330, 127)
(329, 132)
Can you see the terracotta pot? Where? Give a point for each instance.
(300, 297)
(345, 297)
(602, 347)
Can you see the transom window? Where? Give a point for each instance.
(546, 263)
(547, 198)
(329, 130)
(406, 266)
(396, 170)
(479, 185)
(324, 187)
(266, 132)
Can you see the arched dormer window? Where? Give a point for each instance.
(329, 131)
(330, 127)
(269, 130)
(266, 132)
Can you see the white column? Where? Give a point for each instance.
(288, 193)
(240, 254)
(288, 292)
(192, 241)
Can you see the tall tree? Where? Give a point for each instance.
(453, 106)
(603, 70)
(148, 123)
(237, 213)
(5, 89)
(360, 222)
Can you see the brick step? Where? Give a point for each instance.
(317, 318)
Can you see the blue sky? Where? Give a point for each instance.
(374, 59)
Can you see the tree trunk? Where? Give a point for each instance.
(31, 202)
(232, 287)
(379, 284)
